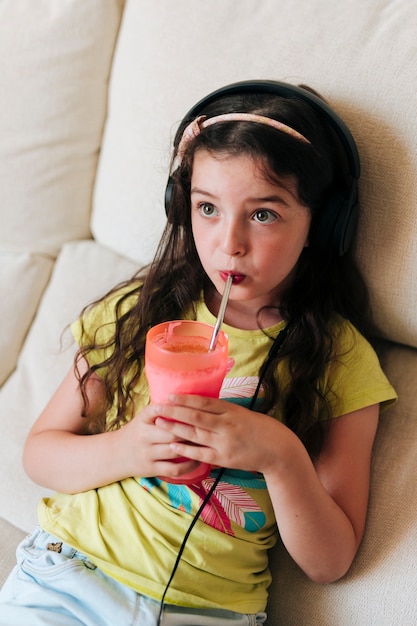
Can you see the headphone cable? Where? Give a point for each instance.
(184, 541)
(275, 348)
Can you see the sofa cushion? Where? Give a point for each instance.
(83, 272)
(55, 59)
(170, 55)
(23, 277)
(381, 587)
(10, 536)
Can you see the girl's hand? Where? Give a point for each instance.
(60, 454)
(221, 433)
(150, 447)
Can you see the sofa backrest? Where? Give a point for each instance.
(360, 55)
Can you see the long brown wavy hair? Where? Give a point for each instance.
(325, 284)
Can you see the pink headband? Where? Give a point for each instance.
(196, 126)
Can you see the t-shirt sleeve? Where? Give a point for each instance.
(355, 378)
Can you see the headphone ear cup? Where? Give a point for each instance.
(335, 228)
(345, 227)
(168, 194)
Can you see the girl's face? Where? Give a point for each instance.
(246, 226)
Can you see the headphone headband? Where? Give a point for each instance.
(285, 90)
(337, 224)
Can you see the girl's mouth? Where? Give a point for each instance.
(237, 278)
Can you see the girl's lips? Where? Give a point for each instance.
(237, 278)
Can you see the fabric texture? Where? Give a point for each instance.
(30, 272)
(10, 537)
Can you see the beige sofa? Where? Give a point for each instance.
(91, 92)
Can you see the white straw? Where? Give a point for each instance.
(221, 313)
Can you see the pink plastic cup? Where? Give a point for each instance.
(177, 360)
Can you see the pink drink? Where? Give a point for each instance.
(177, 360)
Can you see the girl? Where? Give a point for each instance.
(259, 170)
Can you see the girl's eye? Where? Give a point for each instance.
(207, 209)
(264, 216)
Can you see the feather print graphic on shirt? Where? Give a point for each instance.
(237, 388)
(179, 496)
(240, 390)
(229, 503)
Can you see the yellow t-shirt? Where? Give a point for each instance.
(133, 529)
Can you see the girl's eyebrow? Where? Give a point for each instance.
(269, 199)
(202, 192)
(273, 198)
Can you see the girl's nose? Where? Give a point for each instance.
(234, 239)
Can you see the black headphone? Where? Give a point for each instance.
(337, 223)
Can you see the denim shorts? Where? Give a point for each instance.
(53, 584)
